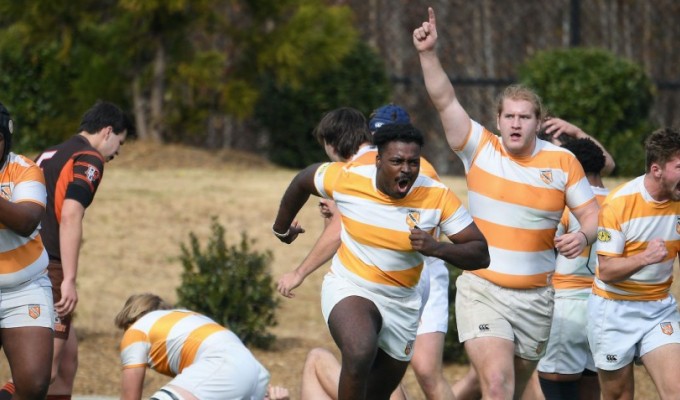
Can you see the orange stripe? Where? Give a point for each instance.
(514, 281)
(637, 292)
(492, 186)
(516, 239)
(158, 336)
(193, 342)
(132, 336)
(374, 236)
(65, 177)
(405, 278)
(21, 257)
(561, 281)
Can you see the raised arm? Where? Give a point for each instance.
(296, 195)
(454, 118)
(557, 127)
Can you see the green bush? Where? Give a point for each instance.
(230, 284)
(453, 349)
(610, 98)
(290, 114)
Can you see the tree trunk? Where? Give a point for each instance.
(139, 104)
(156, 127)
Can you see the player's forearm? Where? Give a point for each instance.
(324, 249)
(70, 238)
(616, 269)
(469, 256)
(294, 198)
(22, 218)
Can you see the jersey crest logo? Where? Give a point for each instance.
(409, 347)
(666, 328)
(546, 176)
(34, 311)
(92, 174)
(413, 218)
(603, 235)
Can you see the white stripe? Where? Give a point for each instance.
(521, 263)
(521, 217)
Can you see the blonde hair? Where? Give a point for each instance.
(520, 92)
(136, 306)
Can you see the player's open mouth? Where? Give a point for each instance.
(403, 184)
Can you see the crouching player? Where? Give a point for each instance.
(206, 360)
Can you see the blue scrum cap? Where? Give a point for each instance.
(388, 114)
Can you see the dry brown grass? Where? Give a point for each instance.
(149, 201)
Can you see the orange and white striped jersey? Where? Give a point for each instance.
(577, 274)
(21, 258)
(517, 203)
(168, 340)
(375, 251)
(629, 218)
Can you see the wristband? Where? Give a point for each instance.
(583, 233)
(285, 235)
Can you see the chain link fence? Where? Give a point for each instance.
(482, 43)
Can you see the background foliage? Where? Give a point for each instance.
(607, 96)
(231, 284)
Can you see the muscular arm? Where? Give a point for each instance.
(70, 238)
(616, 269)
(22, 218)
(454, 118)
(296, 195)
(132, 383)
(468, 249)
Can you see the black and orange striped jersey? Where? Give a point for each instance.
(73, 170)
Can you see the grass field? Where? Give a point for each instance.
(149, 201)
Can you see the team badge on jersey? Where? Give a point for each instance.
(603, 235)
(409, 347)
(92, 174)
(546, 176)
(34, 311)
(413, 218)
(666, 328)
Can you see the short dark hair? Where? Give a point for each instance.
(661, 146)
(406, 133)
(344, 129)
(588, 154)
(101, 115)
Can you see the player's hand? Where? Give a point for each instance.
(288, 282)
(571, 244)
(425, 37)
(557, 127)
(69, 299)
(293, 232)
(277, 393)
(422, 241)
(655, 252)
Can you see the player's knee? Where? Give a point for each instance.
(35, 388)
(166, 393)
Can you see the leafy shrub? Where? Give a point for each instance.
(290, 114)
(453, 349)
(610, 98)
(231, 284)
